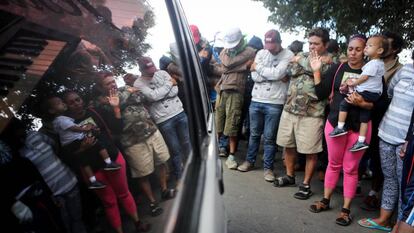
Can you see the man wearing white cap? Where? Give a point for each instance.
(268, 96)
(236, 59)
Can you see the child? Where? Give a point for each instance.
(368, 85)
(71, 136)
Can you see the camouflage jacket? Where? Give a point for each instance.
(302, 99)
(138, 125)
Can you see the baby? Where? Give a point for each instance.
(71, 136)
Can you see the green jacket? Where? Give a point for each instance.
(302, 99)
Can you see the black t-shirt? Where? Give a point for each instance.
(324, 88)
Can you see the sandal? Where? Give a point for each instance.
(155, 209)
(369, 223)
(284, 181)
(344, 217)
(320, 206)
(168, 194)
(304, 192)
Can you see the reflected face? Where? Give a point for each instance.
(108, 83)
(74, 102)
(56, 106)
(316, 44)
(355, 51)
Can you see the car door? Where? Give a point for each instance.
(199, 206)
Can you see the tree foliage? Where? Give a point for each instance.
(345, 17)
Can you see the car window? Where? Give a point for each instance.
(125, 73)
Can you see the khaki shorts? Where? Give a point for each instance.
(229, 107)
(300, 132)
(144, 157)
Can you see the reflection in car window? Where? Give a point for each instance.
(97, 104)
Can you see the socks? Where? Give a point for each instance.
(92, 179)
(231, 157)
(107, 160)
(341, 125)
(361, 138)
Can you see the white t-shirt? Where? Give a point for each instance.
(375, 70)
(62, 125)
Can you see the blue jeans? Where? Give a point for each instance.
(177, 137)
(71, 211)
(264, 119)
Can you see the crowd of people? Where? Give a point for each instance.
(340, 113)
(343, 111)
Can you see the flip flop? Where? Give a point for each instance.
(368, 223)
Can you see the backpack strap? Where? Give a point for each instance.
(333, 83)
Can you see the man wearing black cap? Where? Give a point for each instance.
(268, 96)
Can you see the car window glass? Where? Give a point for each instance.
(90, 61)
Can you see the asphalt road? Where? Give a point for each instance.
(255, 206)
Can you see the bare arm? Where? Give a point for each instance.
(361, 79)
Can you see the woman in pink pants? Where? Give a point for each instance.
(339, 156)
(116, 190)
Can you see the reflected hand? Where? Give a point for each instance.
(87, 142)
(132, 89)
(113, 98)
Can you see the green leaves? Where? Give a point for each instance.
(345, 17)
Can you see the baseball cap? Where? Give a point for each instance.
(272, 37)
(196, 33)
(146, 65)
(232, 38)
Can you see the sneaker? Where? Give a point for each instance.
(359, 146)
(245, 167)
(337, 132)
(231, 163)
(96, 185)
(304, 192)
(222, 152)
(168, 194)
(112, 166)
(269, 176)
(155, 209)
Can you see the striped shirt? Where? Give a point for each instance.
(38, 149)
(394, 126)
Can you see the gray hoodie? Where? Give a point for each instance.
(161, 96)
(270, 69)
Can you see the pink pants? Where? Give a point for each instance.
(116, 188)
(339, 157)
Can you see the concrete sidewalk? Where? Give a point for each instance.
(255, 206)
